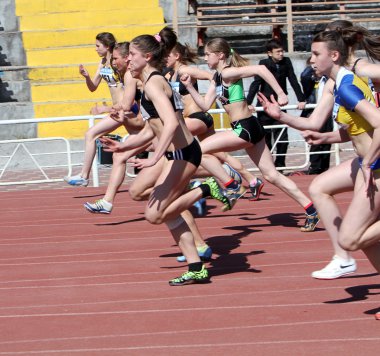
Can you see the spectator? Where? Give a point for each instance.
(281, 67)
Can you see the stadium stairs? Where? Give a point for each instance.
(52, 38)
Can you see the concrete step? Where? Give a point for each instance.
(19, 111)
(83, 20)
(14, 91)
(63, 91)
(67, 108)
(28, 7)
(11, 49)
(60, 73)
(35, 39)
(60, 56)
(8, 19)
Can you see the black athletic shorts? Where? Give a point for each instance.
(205, 117)
(191, 153)
(249, 129)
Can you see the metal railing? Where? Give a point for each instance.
(95, 172)
(41, 167)
(286, 13)
(22, 145)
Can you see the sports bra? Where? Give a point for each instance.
(349, 90)
(178, 86)
(231, 94)
(148, 110)
(110, 76)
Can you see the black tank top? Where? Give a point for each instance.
(148, 109)
(178, 86)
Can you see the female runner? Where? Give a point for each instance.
(160, 108)
(105, 43)
(247, 133)
(353, 107)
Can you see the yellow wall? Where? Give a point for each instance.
(58, 35)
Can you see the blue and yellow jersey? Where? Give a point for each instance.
(349, 90)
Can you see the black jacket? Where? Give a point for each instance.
(281, 73)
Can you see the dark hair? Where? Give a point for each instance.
(159, 45)
(334, 42)
(123, 48)
(169, 38)
(338, 24)
(273, 44)
(356, 36)
(221, 45)
(186, 53)
(107, 39)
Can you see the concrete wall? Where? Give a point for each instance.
(8, 21)
(185, 34)
(14, 83)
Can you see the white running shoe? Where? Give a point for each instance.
(76, 180)
(337, 267)
(100, 206)
(233, 173)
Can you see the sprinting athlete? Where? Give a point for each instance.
(353, 106)
(247, 133)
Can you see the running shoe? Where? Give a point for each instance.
(191, 277)
(200, 207)
(204, 252)
(76, 180)
(337, 267)
(234, 195)
(218, 193)
(233, 173)
(100, 206)
(256, 189)
(310, 222)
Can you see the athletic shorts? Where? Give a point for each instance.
(375, 166)
(191, 153)
(205, 117)
(249, 129)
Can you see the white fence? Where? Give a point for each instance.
(67, 152)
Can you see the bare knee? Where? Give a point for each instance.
(89, 136)
(348, 242)
(316, 189)
(153, 217)
(272, 176)
(118, 158)
(135, 193)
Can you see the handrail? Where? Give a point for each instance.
(22, 144)
(91, 119)
(254, 15)
(91, 122)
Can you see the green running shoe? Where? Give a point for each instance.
(191, 277)
(234, 195)
(218, 193)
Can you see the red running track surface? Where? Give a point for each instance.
(75, 283)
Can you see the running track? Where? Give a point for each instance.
(73, 283)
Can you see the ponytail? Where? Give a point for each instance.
(158, 45)
(358, 36)
(186, 53)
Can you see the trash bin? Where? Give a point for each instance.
(103, 156)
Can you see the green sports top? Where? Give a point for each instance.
(231, 94)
